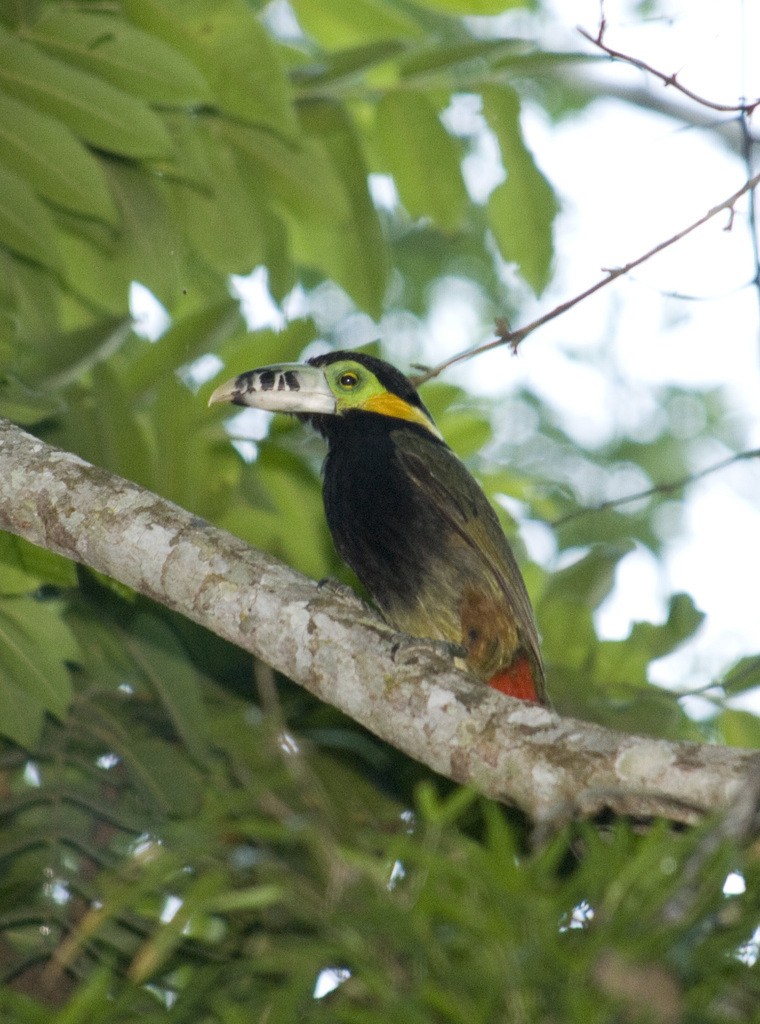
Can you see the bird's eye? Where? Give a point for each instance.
(348, 379)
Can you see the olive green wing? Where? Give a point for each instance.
(445, 481)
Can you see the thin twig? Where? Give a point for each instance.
(663, 488)
(514, 338)
(747, 146)
(667, 80)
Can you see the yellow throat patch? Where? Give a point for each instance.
(387, 404)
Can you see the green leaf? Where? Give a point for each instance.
(22, 714)
(102, 115)
(164, 941)
(103, 653)
(465, 430)
(353, 251)
(187, 460)
(114, 50)
(149, 247)
(8, 334)
(107, 430)
(607, 524)
(744, 675)
(441, 811)
(521, 210)
(19, 12)
(188, 160)
(90, 1000)
(8, 308)
(94, 276)
(589, 580)
(285, 515)
(35, 298)
(422, 157)
(24, 566)
(163, 777)
(621, 663)
(225, 226)
(684, 619)
(346, 64)
(636, 708)
(739, 728)
(34, 643)
(26, 227)
(480, 7)
(254, 898)
(24, 405)
(122, 441)
(63, 358)
(440, 397)
(241, 63)
(568, 631)
(297, 172)
(187, 338)
(50, 159)
(163, 773)
(461, 59)
(165, 663)
(343, 23)
(242, 350)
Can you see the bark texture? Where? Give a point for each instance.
(408, 692)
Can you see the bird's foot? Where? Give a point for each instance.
(407, 649)
(332, 586)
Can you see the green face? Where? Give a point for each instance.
(332, 390)
(352, 384)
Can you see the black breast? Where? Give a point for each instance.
(381, 525)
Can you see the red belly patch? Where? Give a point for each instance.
(516, 681)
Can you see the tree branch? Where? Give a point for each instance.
(409, 693)
(593, 86)
(667, 80)
(666, 487)
(506, 336)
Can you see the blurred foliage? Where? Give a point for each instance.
(182, 840)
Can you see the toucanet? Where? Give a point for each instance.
(406, 514)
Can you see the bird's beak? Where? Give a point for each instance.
(288, 387)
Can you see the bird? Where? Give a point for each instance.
(406, 514)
